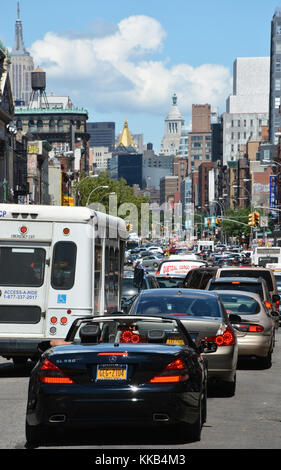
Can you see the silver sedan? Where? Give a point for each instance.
(254, 325)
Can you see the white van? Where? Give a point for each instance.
(56, 264)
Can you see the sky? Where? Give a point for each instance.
(125, 59)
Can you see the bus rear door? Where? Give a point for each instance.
(23, 283)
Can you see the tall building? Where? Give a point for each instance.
(173, 130)
(21, 66)
(247, 108)
(275, 77)
(102, 134)
(200, 137)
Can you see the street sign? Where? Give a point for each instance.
(264, 221)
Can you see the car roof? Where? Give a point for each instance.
(249, 280)
(173, 292)
(171, 275)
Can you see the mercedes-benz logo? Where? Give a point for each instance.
(112, 359)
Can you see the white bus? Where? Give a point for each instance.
(56, 264)
(263, 255)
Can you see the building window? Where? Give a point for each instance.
(39, 125)
(52, 124)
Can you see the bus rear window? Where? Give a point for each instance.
(64, 262)
(22, 266)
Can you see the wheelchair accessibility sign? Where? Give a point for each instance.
(61, 299)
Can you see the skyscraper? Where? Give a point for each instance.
(21, 66)
(275, 77)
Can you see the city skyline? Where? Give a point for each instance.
(107, 57)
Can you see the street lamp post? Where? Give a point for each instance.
(95, 189)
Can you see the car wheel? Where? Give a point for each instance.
(228, 388)
(266, 362)
(155, 265)
(192, 432)
(33, 434)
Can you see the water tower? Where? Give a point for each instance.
(38, 84)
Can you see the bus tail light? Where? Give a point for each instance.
(51, 374)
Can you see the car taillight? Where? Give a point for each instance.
(129, 337)
(277, 305)
(52, 374)
(268, 304)
(248, 328)
(174, 372)
(227, 338)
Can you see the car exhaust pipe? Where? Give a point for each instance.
(57, 419)
(161, 417)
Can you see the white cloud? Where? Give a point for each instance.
(119, 71)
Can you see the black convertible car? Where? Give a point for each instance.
(124, 370)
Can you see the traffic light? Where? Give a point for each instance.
(252, 219)
(257, 218)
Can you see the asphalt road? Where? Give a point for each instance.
(249, 420)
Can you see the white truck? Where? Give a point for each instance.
(56, 264)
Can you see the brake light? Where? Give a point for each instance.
(277, 305)
(113, 354)
(52, 374)
(235, 282)
(227, 338)
(173, 373)
(129, 337)
(245, 328)
(267, 304)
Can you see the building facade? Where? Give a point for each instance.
(200, 138)
(275, 77)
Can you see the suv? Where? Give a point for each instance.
(246, 284)
(198, 278)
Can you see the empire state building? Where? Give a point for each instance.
(21, 67)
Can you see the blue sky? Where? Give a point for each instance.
(124, 59)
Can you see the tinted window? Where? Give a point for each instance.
(22, 266)
(170, 282)
(64, 262)
(128, 287)
(249, 273)
(238, 304)
(177, 305)
(255, 288)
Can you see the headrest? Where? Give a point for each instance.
(156, 336)
(89, 333)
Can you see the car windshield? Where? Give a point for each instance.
(128, 286)
(246, 287)
(131, 330)
(237, 304)
(183, 305)
(168, 282)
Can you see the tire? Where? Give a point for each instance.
(192, 432)
(33, 434)
(20, 361)
(228, 388)
(266, 362)
(155, 265)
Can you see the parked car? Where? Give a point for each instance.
(204, 317)
(245, 284)
(126, 370)
(255, 331)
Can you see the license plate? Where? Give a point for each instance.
(111, 373)
(174, 341)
